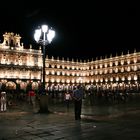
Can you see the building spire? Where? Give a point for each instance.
(100, 57)
(128, 52)
(96, 58)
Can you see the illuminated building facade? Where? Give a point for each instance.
(18, 65)
(21, 66)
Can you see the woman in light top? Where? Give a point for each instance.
(3, 101)
(67, 99)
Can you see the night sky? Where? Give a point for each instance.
(83, 30)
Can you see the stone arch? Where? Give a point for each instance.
(23, 85)
(35, 85)
(6, 43)
(10, 85)
(12, 43)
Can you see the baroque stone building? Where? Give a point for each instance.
(17, 64)
(23, 66)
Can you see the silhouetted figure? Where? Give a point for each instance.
(77, 96)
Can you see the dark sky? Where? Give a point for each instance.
(83, 30)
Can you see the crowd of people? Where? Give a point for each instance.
(76, 96)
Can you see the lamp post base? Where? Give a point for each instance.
(43, 104)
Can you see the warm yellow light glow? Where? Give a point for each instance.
(122, 69)
(135, 77)
(116, 70)
(73, 81)
(105, 65)
(128, 61)
(116, 63)
(77, 74)
(122, 62)
(101, 80)
(135, 60)
(101, 71)
(68, 73)
(47, 79)
(52, 80)
(128, 69)
(110, 64)
(57, 80)
(96, 80)
(58, 73)
(129, 77)
(58, 66)
(106, 79)
(111, 79)
(135, 68)
(47, 72)
(68, 81)
(53, 72)
(123, 78)
(96, 72)
(63, 73)
(101, 66)
(117, 78)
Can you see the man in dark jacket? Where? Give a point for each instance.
(77, 96)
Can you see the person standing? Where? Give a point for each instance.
(32, 97)
(77, 96)
(67, 99)
(3, 101)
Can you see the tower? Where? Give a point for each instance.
(12, 40)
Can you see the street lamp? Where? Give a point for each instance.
(44, 36)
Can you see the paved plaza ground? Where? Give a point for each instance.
(99, 122)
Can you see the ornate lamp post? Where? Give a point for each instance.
(44, 36)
